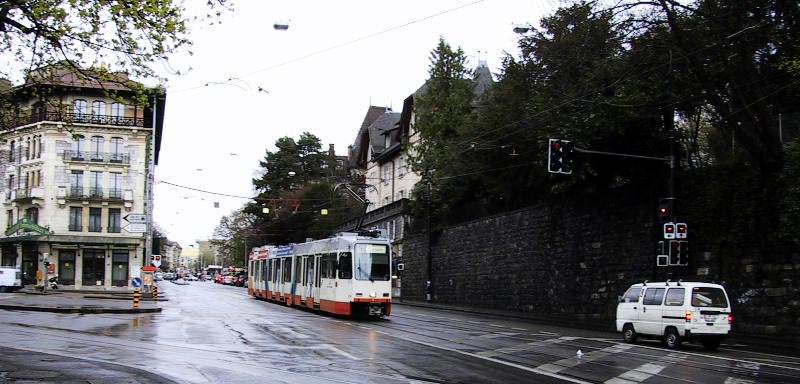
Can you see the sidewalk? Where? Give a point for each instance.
(86, 302)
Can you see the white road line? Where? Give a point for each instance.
(736, 380)
(521, 348)
(645, 371)
(560, 365)
(506, 363)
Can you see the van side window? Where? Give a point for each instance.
(674, 296)
(632, 295)
(653, 296)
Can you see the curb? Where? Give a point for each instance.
(81, 310)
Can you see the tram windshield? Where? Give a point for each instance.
(372, 262)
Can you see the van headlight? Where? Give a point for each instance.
(373, 294)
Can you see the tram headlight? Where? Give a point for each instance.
(373, 294)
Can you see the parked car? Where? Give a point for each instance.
(10, 279)
(675, 312)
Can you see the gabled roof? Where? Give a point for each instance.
(370, 135)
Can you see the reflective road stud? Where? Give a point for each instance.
(136, 296)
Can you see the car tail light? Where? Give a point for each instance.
(688, 316)
(730, 319)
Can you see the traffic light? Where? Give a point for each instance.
(678, 252)
(561, 156)
(664, 209)
(681, 231)
(669, 231)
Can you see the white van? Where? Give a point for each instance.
(10, 278)
(675, 312)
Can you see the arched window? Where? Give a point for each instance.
(99, 111)
(117, 113)
(115, 152)
(81, 111)
(78, 147)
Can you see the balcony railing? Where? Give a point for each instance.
(97, 157)
(94, 193)
(86, 118)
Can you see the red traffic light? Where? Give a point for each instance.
(681, 230)
(669, 230)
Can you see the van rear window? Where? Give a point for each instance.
(709, 297)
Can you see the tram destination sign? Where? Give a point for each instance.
(136, 218)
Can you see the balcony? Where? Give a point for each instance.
(25, 194)
(85, 118)
(96, 157)
(91, 193)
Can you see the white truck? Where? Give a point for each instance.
(10, 279)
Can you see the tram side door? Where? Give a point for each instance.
(316, 279)
(303, 278)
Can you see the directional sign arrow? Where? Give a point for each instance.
(136, 218)
(135, 228)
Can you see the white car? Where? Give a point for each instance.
(675, 312)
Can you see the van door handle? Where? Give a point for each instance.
(644, 309)
(634, 307)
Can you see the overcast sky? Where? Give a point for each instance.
(320, 75)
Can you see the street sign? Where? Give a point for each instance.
(155, 260)
(135, 228)
(136, 218)
(136, 282)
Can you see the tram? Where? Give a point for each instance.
(347, 274)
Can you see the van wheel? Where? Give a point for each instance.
(671, 339)
(629, 334)
(711, 345)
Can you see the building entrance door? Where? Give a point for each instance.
(66, 267)
(93, 271)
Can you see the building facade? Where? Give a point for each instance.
(75, 159)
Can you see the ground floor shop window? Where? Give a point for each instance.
(119, 269)
(66, 267)
(94, 271)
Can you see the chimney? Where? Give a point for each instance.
(331, 152)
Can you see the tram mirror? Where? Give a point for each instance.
(400, 266)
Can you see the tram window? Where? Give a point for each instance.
(329, 266)
(287, 269)
(345, 265)
(372, 262)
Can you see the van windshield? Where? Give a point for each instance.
(709, 297)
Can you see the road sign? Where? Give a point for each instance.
(155, 260)
(135, 228)
(136, 282)
(136, 218)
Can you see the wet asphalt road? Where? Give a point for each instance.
(210, 333)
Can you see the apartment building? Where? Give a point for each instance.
(74, 166)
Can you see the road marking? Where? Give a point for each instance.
(498, 361)
(644, 371)
(560, 365)
(736, 380)
(523, 347)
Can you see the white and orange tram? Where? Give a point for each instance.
(347, 274)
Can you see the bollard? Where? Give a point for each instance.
(136, 296)
(155, 292)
